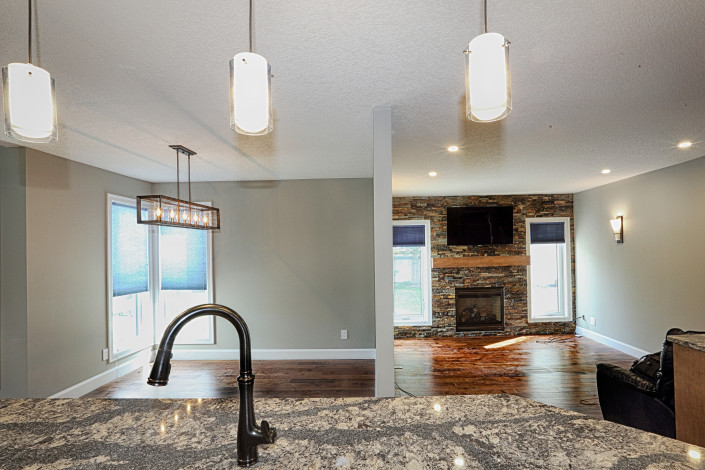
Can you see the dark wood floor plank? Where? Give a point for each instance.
(557, 370)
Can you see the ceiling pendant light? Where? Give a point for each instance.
(488, 90)
(29, 99)
(250, 92)
(165, 210)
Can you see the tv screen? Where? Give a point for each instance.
(480, 225)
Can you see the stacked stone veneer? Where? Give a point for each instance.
(512, 278)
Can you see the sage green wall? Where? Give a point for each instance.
(654, 280)
(295, 259)
(13, 274)
(66, 269)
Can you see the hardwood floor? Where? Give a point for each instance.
(557, 370)
(273, 379)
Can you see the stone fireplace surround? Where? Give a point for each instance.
(444, 281)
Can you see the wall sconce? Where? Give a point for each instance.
(618, 228)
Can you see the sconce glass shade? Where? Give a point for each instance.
(30, 103)
(488, 91)
(617, 228)
(165, 210)
(250, 94)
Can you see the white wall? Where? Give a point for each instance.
(655, 280)
(384, 289)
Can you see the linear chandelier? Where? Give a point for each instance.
(250, 92)
(29, 99)
(165, 210)
(488, 89)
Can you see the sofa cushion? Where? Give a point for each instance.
(647, 366)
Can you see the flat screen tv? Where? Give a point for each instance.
(480, 225)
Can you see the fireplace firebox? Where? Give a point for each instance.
(479, 309)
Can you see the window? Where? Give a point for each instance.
(154, 273)
(412, 273)
(184, 281)
(550, 284)
(129, 302)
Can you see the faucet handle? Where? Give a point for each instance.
(269, 434)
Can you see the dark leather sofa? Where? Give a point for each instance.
(641, 397)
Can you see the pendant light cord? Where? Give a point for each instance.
(178, 186)
(250, 26)
(29, 49)
(485, 16)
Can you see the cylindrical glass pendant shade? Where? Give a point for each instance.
(488, 91)
(250, 94)
(30, 103)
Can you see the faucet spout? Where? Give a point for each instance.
(249, 434)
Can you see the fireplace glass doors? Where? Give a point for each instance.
(479, 309)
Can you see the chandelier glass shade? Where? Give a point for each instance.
(165, 210)
(250, 94)
(175, 212)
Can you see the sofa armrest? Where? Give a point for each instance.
(626, 398)
(628, 378)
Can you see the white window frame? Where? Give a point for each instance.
(147, 341)
(160, 321)
(154, 282)
(425, 275)
(567, 296)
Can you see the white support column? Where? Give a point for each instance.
(384, 295)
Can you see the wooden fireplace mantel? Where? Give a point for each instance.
(480, 261)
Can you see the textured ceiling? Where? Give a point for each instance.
(596, 84)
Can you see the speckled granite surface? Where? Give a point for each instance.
(486, 431)
(691, 341)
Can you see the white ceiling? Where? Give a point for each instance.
(596, 84)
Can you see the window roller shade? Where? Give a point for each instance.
(130, 251)
(547, 232)
(409, 235)
(183, 255)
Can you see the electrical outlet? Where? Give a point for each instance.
(343, 334)
(105, 354)
(592, 321)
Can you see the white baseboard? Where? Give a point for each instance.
(271, 354)
(103, 378)
(613, 343)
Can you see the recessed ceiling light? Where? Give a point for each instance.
(432, 174)
(685, 144)
(606, 171)
(453, 148)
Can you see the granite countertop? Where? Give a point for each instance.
(485, 431)
(691, 341)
